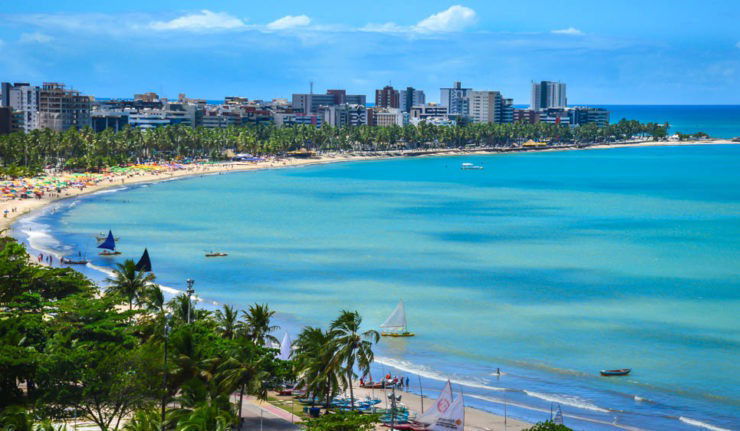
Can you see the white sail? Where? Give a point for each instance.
(285, 348)
(397, 319)
(453, 419)
(439, 407)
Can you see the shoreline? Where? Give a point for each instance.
(483, 419)
(17, 208)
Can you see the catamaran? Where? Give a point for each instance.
(109, 246)
(395, 324)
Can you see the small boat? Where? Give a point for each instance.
(144, 264)
(619, 372)
(109, 246)
(74, 262)
(395, 324)
(470, 166)
(216, 254)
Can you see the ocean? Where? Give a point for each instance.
(548, 266)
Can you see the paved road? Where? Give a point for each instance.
(269, 421)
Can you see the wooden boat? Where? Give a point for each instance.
(372, 385)
(109, 246)
(619, 372)
(216, 254)
(395, 324)
(74, 262)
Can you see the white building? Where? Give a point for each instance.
(485, 106)
(388, 116)
(548, 94)
(456, 99)
(345, 115)
(23, 98)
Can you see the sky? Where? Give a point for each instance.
(615, 52)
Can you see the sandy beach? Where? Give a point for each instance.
(19, 207)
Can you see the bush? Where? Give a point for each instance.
(549, 426)
(345, 421)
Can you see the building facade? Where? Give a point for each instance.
(547, 95)
(410, 97)
(456, 99)
(345, 115)
(310, 103)
(24, 99)
(388, 97)
(61, 109)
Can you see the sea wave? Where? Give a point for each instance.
(701, 424)
(106, 191)
(568, 400)
(423, 371)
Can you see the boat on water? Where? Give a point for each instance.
(470, 166)
(395, 324)
(216, 254)
(74, 261)
(109, 246)
(619, 372)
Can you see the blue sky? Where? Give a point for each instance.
(616, 52)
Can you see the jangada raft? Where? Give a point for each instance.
(395, 324)
(619, 372)
(109, 246)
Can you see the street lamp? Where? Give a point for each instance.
(164, 375)
(190, 292)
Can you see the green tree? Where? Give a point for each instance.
(257, 324)
(128, 282)
(352, 347)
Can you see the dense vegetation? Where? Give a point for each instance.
(85, 149)
(68, 351)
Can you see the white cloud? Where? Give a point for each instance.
(35, 37)
(288, 22)
(570, 31)
(203, 21)
(388, 27)
(455, 18)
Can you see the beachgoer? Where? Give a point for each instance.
(407, 381)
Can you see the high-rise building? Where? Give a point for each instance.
(345, 115)
(548, 94)
(410, 97)
(388, 97)
(490, 107)
(24, 98)
(456, 99)
(60, 109)
(310, 103)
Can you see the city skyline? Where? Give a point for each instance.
(630, 53)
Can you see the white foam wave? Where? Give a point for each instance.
(106, 191)
(568, 400)
(541, 410)
(41, 240)
(423, 371)
(701, 424)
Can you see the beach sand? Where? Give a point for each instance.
(475, 420)
(19, 207)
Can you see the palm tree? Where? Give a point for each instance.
(313, 359)
(128, 282)
(245, 371)
(352, 347)
(227, 321)
(257, 326)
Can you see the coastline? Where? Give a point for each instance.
(485, 420)
(18, 208)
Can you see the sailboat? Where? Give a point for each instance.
(144, 264)
(109, 246)
(395, 324)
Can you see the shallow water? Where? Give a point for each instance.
(550, 266)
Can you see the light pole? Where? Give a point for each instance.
(164, 375)
(190, 292)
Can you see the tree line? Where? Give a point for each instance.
(67, 351)
(87, 150)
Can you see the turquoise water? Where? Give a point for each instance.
(719, 121)
(550, 266)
